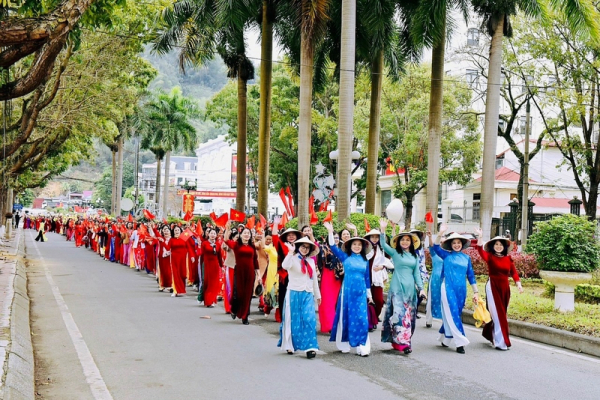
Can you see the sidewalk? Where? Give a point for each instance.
(16, 350)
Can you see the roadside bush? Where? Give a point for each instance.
(584, 293)
(565, 243)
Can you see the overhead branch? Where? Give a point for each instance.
(19, 31)
(22, 35)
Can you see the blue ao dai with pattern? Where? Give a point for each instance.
(456, 268)
(351, 309)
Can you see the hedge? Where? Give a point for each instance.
(525, 264)
(585, 293)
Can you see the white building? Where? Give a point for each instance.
(216, 180)
(551, 186)
(181, 170)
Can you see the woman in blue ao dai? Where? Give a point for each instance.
(401, 311)
(351, 322)
(298, 329)
(453, 292)
(435, 282)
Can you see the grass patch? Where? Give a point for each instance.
(532, 306)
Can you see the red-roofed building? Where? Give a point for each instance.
(551, 186)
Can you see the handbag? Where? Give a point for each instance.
(481, 314)
(259, 288)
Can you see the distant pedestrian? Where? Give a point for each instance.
(41, 232)
(497, 289)
(17, 218)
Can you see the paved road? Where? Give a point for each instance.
(103, 331)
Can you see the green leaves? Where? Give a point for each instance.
(167, 121)
(404, 117)
(565, 243)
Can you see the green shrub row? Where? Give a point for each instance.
(584, 293)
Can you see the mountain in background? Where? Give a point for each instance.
(198, 83)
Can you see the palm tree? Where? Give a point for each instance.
(429, 29)
(309, 17)
(582, 17)
(382, 42)
(346, 113)
(202, 29)
(268, 13)
(171, 128)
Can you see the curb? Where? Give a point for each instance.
(19, 382)
(544, 334)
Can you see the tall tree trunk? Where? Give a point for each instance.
(592, 201)
(434, 141)
(408, 212)
(492, 109)
(304, 127)
(346, 119)
(119, 176)
(113, 198)
(240, 197)
(157, 187)
(3, 192)
(165, 198)
(374, 127)
(264, 125)
(136, 173)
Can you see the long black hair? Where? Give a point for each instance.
(250, 241)
(363, 250)
(411, 248)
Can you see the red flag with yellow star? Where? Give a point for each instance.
(185, 235)
(236, 215)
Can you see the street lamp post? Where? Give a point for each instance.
(575, 206)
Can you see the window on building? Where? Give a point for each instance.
(527, 83)
(513, 196)
(476, 206)
(472, 77)
(551, 85)
(473, 37)
(502, 124)
(386, 198)
(522, 125)
(500, 161)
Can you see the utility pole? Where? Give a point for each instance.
(525, 199)
(135, 175)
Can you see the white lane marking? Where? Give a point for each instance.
(570, 353)
(90, 369)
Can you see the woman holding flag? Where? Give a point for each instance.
(246, 270)
(179, 254)
(164, 259)
(287, 236)
(213, 262)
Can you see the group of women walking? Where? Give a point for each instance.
(343, 276)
